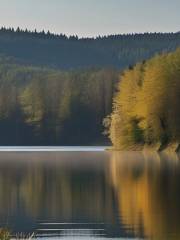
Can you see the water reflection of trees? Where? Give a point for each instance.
(50, 187)
(147, 187)
(142, 189)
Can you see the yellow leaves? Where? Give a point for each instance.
(5, 234)
(148, 102)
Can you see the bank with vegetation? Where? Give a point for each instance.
(56, 90)
(146, 108)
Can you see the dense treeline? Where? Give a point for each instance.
(62, 52)
(49, 107)
(55, 90)
(146, 108)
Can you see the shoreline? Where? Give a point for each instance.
(173, 147)
(52, 148)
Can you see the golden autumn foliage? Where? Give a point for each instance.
(146, 107)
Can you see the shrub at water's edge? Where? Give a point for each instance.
(146, 112)
(5, 234)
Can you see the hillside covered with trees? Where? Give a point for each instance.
(146, 108)
(56, 90)
(49, 107)
(62, 52)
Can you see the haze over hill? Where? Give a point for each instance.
(62, 52)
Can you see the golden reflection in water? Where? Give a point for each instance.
(147, 187)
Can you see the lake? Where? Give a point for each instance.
(88, 193)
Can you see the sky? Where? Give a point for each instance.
(90, 18)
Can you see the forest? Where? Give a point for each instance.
(67, 53)
(48, 107)
(56, 90)
(146, 109)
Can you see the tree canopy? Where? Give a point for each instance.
(62, 52)
(40, 106)
(146, 107)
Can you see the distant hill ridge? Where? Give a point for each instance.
(63, 52)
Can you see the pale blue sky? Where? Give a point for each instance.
(92, 17)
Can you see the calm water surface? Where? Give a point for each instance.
(86, 194)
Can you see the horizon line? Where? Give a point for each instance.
(35, 30)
